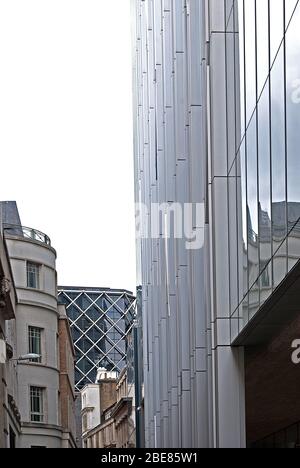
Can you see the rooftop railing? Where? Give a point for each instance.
(27, 233)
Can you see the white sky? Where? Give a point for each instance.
(66, 132)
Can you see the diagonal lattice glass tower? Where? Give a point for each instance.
(101, 320)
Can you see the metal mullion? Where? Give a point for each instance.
(285, 136)
(114, 304)
(271, 145)
(115, 346)
(257, 156)
(246, 155)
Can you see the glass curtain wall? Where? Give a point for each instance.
(265, 160)
(101, 322)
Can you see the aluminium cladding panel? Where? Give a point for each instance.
(152, 149)
(173, 363)
(216, 15)
(227, 363)
(233, 240)
(181, 107)
(146, 362)
(179, 25)
(169, 321)
(184, 374)
(195, 39)
(168, 83)
(198, 323)
(218, 104)
(169, 153)
(231, 96)
(197, 164)
(220, 248)
(163, 379)
(168, 52)
(182, 252)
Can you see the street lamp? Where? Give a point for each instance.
(27, 357)
(6, 353)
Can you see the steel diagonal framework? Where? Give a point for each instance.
(101, 321)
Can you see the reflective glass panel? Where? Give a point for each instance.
(250, 56)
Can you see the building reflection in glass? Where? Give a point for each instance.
(266, 56)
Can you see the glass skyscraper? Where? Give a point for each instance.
(101, 320)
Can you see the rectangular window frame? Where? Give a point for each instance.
(33, 275)
(37, 399)
(33, 334)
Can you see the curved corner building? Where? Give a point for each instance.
(33, 266)
(217, 118)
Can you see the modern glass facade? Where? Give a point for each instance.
(217, 122)
(101, 320)
(263, 151)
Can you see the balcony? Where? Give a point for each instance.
(27, 233)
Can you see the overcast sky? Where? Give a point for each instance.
(66, 132)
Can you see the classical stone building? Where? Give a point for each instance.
(124, 413)
(108, 413)
(97, 400)
(44, 389)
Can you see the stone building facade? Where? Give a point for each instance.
(10, 422)
(66, 381)
(39, 391)
(108, 418)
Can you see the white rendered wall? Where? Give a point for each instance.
(90, 400)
